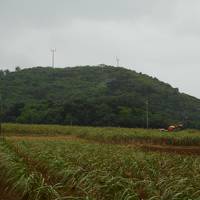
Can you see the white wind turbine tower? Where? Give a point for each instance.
(53, 56)
(117, 61)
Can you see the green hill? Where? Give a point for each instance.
(93, 95)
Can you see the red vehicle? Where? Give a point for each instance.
(175, 127)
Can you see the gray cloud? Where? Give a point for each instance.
(158, 37)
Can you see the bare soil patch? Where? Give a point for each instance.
(182, 150)
(39, 138)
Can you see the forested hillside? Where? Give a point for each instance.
(93, 95)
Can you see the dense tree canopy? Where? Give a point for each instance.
(93, 95)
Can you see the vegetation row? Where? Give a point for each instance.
(93, 171)
(109, 135)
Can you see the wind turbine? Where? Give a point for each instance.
(53, 56)
(117, 61)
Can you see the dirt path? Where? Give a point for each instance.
(47, 138)
(181, 150)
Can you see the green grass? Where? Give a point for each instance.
(22, 178)
(78, 169)
(109, 135)
(106, 172)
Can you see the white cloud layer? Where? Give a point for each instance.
(157, 37)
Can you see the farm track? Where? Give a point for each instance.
(47, 138)
(183, 150)
(170, 149)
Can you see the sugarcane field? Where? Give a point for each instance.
(65, 162)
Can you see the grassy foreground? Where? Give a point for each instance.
(60, 168)
(109, 135)
(55, 170)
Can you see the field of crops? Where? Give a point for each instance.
(40, 162)
(109, 135)
(49, 169)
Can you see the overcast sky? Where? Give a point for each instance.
(157, 37)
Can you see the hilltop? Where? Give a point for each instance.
(93, 95)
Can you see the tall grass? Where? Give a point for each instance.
(94, 171)
(20, 178)
(109, 135)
